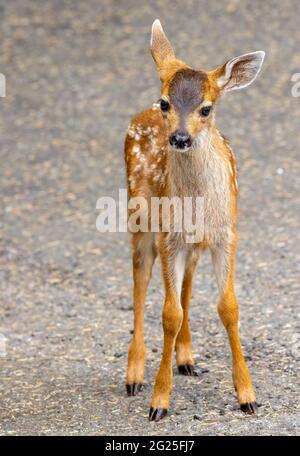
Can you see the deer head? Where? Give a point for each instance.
(188, 96)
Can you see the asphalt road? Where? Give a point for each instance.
(75, 73)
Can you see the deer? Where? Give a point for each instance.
(175, 149)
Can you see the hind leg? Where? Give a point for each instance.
(144, 254)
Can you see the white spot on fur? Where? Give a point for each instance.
(131, 131)
(155, 130)
(138, 168)
(143, 131)
(155, 106)
(154, 148)
(131, 182)
(136, 149)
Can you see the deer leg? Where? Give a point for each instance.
(144, 254)
(223, 259)
(183, 346)
(173, 266)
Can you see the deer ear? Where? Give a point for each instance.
(161, 49)
(239, 72)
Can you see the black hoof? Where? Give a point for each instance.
(133, 388)
(157, 414)
(250, 408)
(188, 369)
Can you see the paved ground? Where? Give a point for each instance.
(76, 71)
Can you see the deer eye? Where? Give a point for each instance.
(164, 105)
(205, 111)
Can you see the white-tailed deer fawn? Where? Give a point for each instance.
(175, 149)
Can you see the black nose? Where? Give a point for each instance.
(180, 140)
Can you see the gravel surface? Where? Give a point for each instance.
(76, 72)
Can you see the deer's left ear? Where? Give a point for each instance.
(239, 72)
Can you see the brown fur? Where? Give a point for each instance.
(208, 170)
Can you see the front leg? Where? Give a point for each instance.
(223, 257)
(173, 267)
(183, 346)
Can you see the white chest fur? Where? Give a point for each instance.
(204, 172)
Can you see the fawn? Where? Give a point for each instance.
(175, 149)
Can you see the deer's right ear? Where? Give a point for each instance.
(161, 49)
